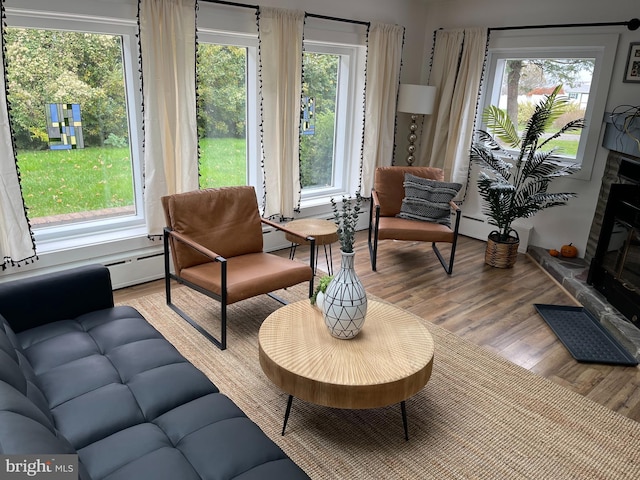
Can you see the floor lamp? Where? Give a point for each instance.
(416, 100)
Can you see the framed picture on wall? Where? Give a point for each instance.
(632, 71)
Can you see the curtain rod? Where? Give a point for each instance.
(336, 19)
(632, 24)
(232, 4)
(314, 15)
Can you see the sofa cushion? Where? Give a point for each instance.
(131, 405)
(16, 370)
(105, 384)
(24, 429)
(89, 397)
(427, 200)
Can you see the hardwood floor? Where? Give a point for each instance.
(488, 306)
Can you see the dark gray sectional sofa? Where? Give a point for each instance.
(78, 375)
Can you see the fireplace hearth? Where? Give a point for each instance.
(572, 273)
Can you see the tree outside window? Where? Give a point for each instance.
(53, 66)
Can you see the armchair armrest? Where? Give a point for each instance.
(286, 230)
(308, 238)
(35, 301)
(195, 245)
(375, 201)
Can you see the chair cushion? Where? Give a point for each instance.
(224, 220)
(395, 228)
(388, 185)
(249, 275)
(428, 200)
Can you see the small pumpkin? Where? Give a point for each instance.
(554, 253)
(569, 251)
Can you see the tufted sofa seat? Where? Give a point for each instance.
(78, 375)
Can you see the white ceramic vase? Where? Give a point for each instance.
(345, 302)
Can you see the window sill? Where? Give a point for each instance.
(48, 240)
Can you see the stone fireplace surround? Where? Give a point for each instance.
(572, 273)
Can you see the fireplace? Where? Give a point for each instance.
(615, 267)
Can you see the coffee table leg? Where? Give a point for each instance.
(403, 407)
(286, 413)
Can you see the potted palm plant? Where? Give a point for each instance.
(514, 185)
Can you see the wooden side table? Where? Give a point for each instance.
(325, 233)
(389, 361)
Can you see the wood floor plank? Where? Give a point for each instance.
(488, 306)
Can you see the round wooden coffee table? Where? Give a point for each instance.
(389, 361)
(325, 232)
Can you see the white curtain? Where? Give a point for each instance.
(168, 58)
(384, 53)
(458, 61)
(280, 32)
(16, 242)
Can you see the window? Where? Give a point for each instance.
(227, 99)
(83, 181)
(525, 81)
(71, 88)
(327, 140)
(227, 110)
(523, 68)
(228, 116)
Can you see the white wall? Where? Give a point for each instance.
(560, 225)
(137, 259)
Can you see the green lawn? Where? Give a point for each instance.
(67, 181)
(223, 162)
(568, 148)
(56, 182)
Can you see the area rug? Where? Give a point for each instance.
(479, 417)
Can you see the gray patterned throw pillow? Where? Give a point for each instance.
(427, 200)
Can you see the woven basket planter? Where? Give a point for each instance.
(501, 254)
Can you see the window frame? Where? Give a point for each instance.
(52, 238)
(346, 112)
(346, 40)
(348, 109)
(538, 43)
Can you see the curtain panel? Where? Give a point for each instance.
(457, 67)
(168, 63)
(16, 238)
(384, 54)
(280, 34)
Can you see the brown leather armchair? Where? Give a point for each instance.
(215, 240)
(386, 201)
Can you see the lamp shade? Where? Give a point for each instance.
(418, 99)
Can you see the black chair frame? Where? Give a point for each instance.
(221, 343)
(373, 237)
